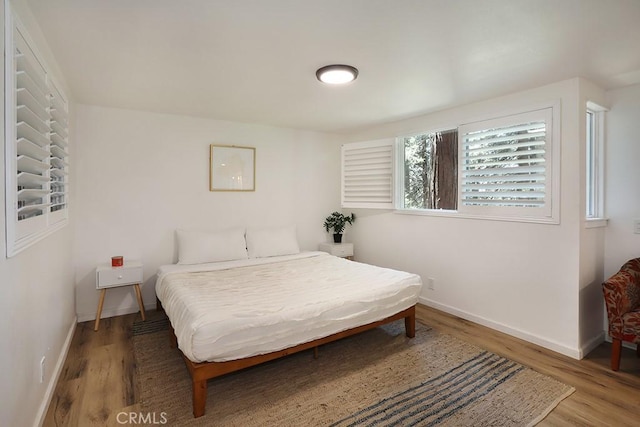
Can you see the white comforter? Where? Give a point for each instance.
(232, 310)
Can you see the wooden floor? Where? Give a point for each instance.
(98, 378)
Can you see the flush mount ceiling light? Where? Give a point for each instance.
(337, 74)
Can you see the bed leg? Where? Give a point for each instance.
(199, 397)
(410, 324)
(315, 352)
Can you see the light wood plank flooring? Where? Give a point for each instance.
(98, 378)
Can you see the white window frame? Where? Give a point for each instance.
(594, 167)
(549, 211)
(22, 233)
(550, 215)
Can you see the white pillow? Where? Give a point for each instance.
(266, 242)
(196, 247)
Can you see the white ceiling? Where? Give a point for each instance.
(255, 60)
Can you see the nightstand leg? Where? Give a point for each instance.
(103, 292)
(139, 296)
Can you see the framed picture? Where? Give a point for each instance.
(232, 168)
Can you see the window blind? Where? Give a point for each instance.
(505, 163)
(59, 135)
(31, 132)
(36, 148)
(367, 174)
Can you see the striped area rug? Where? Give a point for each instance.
(378, 378)
(439, 398)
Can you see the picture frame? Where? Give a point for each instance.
(232, 168)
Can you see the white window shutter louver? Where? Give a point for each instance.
(367, 174)
(505, 164)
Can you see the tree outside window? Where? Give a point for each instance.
(431, 170)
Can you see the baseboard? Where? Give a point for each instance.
(85, 317)
(51, 387)
(574, 353)
(592, 344)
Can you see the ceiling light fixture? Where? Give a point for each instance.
(337, 74)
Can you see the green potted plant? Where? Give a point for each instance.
(336, 222)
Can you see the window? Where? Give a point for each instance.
(430, 164)
(501, 168)
(593, 149)
(506, 166)
(36, 144)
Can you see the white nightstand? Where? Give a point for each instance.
(343, 250)
(130, 274)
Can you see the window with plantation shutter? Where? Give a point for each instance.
(367, 174)
(506, 166)
(36, 144)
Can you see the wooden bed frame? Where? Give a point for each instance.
(201, 372)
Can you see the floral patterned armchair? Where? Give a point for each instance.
(622, 297)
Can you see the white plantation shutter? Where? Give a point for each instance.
(59, 148)
(506, 167)
(367, 174)
(31, 134)
(36, 144)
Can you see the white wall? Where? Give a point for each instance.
(37, 313)
(622, 191)
(522, 278)
(140, 176)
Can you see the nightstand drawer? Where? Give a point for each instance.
(338, 249)
(342, 250)
(118, 276)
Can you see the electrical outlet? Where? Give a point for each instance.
(42, 361)
(431, 283)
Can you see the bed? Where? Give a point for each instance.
(231, 314)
